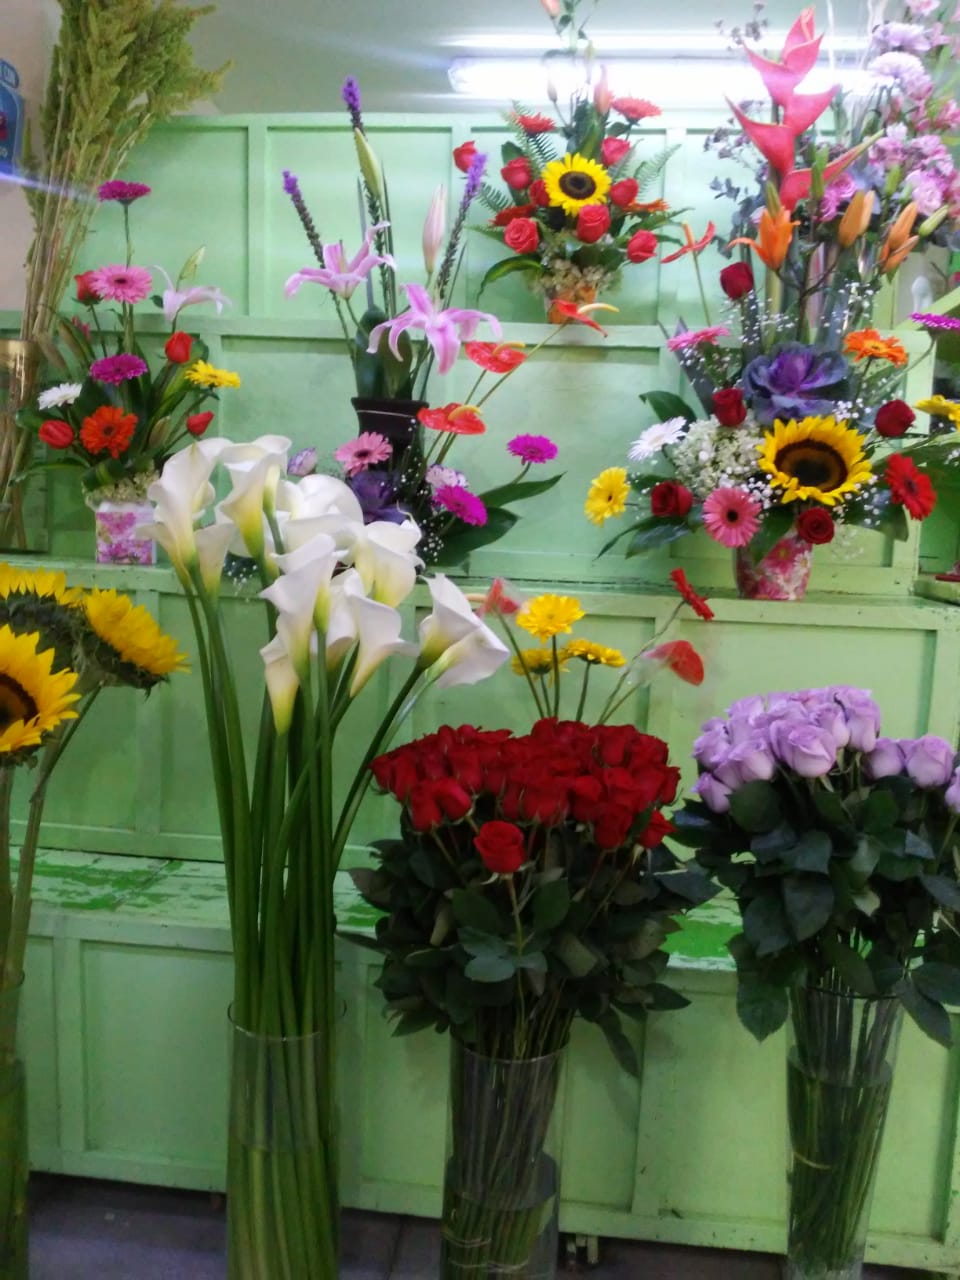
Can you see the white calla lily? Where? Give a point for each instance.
(341, 633)
(179, 496)
(456, 646)
(301, 596)
(282, 681)
(320, 495)
(213, 543)
(255, 470)
(385, 556)
(378, 633)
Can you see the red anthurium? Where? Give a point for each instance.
(460, 419)
(568, 311)
(682, 659)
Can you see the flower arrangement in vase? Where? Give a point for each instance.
(573, 219)
(840, 847)
(798, 392)
(111, 419)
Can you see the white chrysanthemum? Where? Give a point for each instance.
(656, 438)
(438, 477)
(63, 393)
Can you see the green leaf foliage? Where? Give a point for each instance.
(665, 404)
(929, 1015)
(525, 263)
(756, 807)
(761, 1006)
(659, 531)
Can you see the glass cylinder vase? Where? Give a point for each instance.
(14, 1165)
(117, 539)
(501, 1192)
(782, 574)
(282, 1206)
(840, 1060)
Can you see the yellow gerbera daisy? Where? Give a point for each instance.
(608, 495)
(202, 374)
(34, 699)
(142, 654)
(538, 662)
(940, 407)
(546, 616)
(817, 458)
(575, 181)
(590, 651)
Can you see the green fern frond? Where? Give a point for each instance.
(648, 172)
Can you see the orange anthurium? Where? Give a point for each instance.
(899, 241)
(690, 245)
(775, 234)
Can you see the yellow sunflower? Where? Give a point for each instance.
(595, 654)
(34, 699)
(608, 495)
(547, 615)
(133, 649)
(49, 583)
(816, 458)
(202, 374)
(575, 181)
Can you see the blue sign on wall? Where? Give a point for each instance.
(11, 119)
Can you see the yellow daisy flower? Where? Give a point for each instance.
(608, 495)
(590, 651)
(817, 458)
(138, 652)
(34, 699)
(547, 615)
(940, 407)
(202, 374)
(575, 181)
(538, 662)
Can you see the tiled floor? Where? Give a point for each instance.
(84, 1230)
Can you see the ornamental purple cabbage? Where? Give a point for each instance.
(795, 381)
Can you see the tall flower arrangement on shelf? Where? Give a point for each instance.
(797, 408)
(331, 591)
(108, 417)
(576, 210)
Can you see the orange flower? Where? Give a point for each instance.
(775, 234)
(458, 419)
(899, 241)
(647, 206)
(108, 430)
(856, 219)
(690, 245)
(866, 344)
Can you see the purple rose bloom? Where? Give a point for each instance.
(803, 747)
(711, 748)
(929, 760)
(713, 793)
(831, 718)
(952, 794)
(862, 715)
(751, 761)
(794, 381)
(884, 761)
(377, 494)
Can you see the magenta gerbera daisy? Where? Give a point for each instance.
(118, 283)
(697, 337)
(125, 192)
(118, 368)
(532, 448)
(461, 503)
(368, 448)
(731, 516)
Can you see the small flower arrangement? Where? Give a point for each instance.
(574, 218)
(839, 846)
(110, 417)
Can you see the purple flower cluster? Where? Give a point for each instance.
(794, 381)
(805, 734)
(350, 93)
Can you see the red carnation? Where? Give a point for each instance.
(56, 433)
(729, 408)
(197, 423)
(177, 347)
(522, 235)
(593, 222)
(909, 486)
(463, 155)
(670, 499)
(641, 246)
(517, 173)
(500, 845)
(85, 290)
(613, 150)
(815, 525)
(736, 280)
(895, 418)
(624, 192)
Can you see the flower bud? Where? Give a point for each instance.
(435, 229)
(56, 433)
(369, 166)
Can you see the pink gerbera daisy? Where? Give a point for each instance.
(118, 283)
(125, 192)
(697, 337)
(368, 448)
(460, 502)
(532, 448)
(117, 369)
(731, 516)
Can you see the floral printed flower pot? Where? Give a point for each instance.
(782, 574)
(118, 542)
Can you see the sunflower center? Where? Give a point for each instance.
(15, 702)
(813, 463)
(577, 185)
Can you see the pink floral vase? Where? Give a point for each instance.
(116, 525)
(782, 574)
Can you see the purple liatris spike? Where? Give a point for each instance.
(291, 186)
(351, 97)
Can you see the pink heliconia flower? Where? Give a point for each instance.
(797, 57)
(444, 330)
(337, 274)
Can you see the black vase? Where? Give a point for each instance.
(395, 420)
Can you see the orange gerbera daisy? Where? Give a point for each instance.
(108, 430)
(867, 344)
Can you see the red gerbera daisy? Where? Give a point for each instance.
(634, 109)
(506, 216)
(697, 603)
(535, 124)
(910, 487)
(495, 357)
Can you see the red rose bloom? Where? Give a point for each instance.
(500, 845)
(177, 347)
(522, 235)
(670, 499)
(56, 433)
(624, 192)
(815, 525)
(506, 216)
(85, 291)
(729, 408)
(641, 246)
(612, 151)
(611, 829)
(910, 487)
(538, 193)
(895, 418)
(197, 423)
(517, 173)
(463, 155)
(655, 830)
(593, 222)
(736, 280)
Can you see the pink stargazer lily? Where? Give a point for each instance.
(797, 57)
(337, 274)
(174, 300)
(444, 330)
